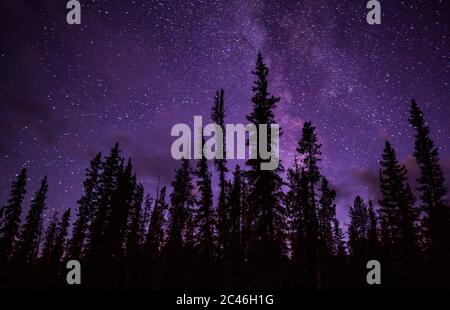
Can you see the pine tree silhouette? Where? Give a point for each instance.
(100, 245)
(28, 244)
(48, 269)
(309, 149)
(133, 261)
(372, 233)
(145, 218)
(121, 201)
(358, 236)
(155, 235)
(218, 116)
(234, 257)
(296, 198)
(108, 180)
(265, 195)
(397, 200)
(61, 238)
(49, 241)
(134, 231)
(433, 196)
(180, 212)
(399, 215)
(339, 271)
(10, 224)
(326, 215)
(54, 250)
(155, 240)
(192, 280)
(205, 221)
(86, 207)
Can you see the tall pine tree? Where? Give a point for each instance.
(265, 195)
(296, 197)
(309, 150)
(155, 239)
(108, 179)
(86, 205)
(326, 215)
(433, 192)
(61, 238)
(28, 244)
(155, 234)
(205, 221)
(397, 201)
(399, 216)
(101, 245)
(121, 204)
(182, 202)
(9, 228)
(134, 230)
(49, 241)
(218, 116)
(234, 257)
(145, 218)
(358, 236)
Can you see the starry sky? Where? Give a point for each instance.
(133, 69)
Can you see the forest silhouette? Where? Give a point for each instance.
(274, 229)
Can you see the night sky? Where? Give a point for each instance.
(133, 69)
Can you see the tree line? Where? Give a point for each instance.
(262, 231)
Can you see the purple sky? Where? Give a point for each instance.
(133, 69)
